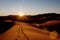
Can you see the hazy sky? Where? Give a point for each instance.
(29, 6)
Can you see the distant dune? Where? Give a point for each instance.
(51, 21)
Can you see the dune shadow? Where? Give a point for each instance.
(4, 26)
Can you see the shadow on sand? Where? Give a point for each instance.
(4, 26)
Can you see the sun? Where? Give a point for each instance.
(21, 14)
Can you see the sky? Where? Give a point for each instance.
(29, 7)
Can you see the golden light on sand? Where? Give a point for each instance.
(21, 14)
(53, 35)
